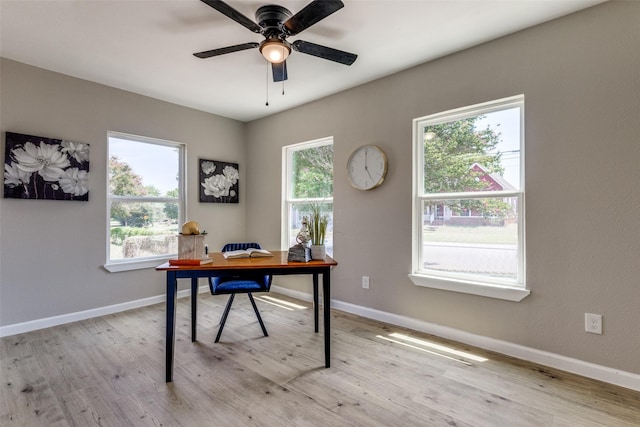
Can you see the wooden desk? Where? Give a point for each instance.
(276, 265)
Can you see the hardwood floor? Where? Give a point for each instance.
(109, 371)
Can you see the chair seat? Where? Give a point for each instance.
(238, 285)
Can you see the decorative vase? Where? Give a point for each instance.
(318, 251)
(190, 246)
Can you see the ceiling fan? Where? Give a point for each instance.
(276, 23)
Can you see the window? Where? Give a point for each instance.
(468, 223)
(307, 180)
(145, 200)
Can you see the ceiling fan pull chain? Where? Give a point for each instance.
(267, 81)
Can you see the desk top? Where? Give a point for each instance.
(278, 260)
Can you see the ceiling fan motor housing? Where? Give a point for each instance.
(271, 17)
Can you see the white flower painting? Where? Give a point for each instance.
(218, 182)
(45, 168)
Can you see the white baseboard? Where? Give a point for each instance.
(576, 366)
(47, 322)
(579, 367)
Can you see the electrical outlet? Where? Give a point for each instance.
(593, 323)
(365, 282)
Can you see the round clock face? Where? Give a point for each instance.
(367, 167)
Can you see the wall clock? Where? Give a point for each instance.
(367, 167)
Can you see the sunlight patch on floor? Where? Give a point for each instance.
(432, 348)
(280, 303)
(439, 347)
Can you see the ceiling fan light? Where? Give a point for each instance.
(275, 51)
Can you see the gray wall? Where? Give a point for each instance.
(580, 76)
(581, 79)
(52, 252)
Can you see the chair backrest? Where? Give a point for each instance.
(240, 246)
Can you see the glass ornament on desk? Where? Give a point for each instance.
(300, 252)
(304, 236)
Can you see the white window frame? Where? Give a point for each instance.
(511, 290)
(114, 266)
(287, 199)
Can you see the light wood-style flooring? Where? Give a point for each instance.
(109, 371)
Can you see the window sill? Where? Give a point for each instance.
(117, 267)
(474, 288)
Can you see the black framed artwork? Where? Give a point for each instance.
(219, 181)
(42, 168)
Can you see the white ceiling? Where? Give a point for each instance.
(146, 46)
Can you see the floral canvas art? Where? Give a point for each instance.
(45, 168)
(218, 182)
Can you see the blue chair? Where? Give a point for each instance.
(239, 284)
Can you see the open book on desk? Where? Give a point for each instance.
(247, 253)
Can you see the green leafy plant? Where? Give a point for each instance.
(120, 234)
(318, 224)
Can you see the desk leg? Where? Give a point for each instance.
(172, 293)
(315, 301)
(194, 307)
(326, 306)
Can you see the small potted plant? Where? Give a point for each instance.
(317, 230)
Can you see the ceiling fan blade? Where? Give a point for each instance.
(224, 50)
(230, 12)
(279, 71)
(315, 11)
(324, 52)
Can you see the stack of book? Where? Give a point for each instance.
(198, 261)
